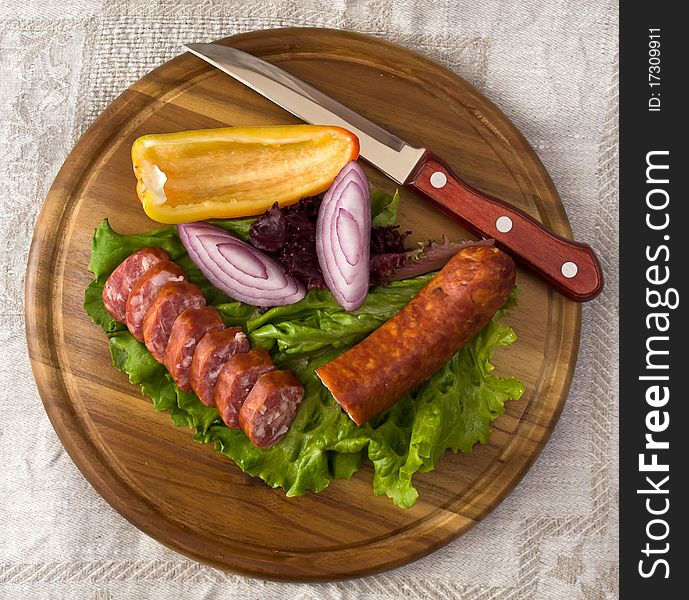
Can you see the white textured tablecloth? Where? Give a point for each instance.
(550, 66)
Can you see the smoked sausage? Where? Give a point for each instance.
(406, 350)
(236, 379)
(270, 407)
(212, 352)
(144, 291)
(122, 279)
(173, 298)
(187, 330)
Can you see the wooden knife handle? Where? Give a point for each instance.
(570, 267)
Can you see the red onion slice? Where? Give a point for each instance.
(254, 292)
(348, 236)
(343, 237)
(238, 269)
(336, 243)
(272, 274)
(243, 260)
(220, 274)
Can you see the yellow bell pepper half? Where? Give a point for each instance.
(236, 171)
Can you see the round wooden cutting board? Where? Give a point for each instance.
(184, 494)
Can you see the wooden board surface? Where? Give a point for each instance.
(184, 494)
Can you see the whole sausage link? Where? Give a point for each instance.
(414, 344)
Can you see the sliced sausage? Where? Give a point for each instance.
(212, 352)
(236, 380)
(406, 350)
(270, 407)
(122, 279)
(187, 330)
(144, 291)
(173, 298)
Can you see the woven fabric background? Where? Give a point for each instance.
(550, 66)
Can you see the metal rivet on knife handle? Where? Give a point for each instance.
(569, 269)
(503, 224)
(438, 179)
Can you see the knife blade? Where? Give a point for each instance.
(571, 267)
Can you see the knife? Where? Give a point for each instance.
(570, 267)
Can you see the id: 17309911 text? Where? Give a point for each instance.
(654, 70)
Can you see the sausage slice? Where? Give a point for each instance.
(122, 279)
(406, 350)
(187, 330)
(144, 291)
(236, 379)
(212, 352)
(270, 407)
(173, 298)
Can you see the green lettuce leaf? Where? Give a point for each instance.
(344, 464)
(451, 411)
(384, 207)
(240, 227)
(318, 321)
(131, 356)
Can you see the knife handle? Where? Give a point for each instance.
(570, 267)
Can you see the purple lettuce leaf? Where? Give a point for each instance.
(428, 256)
(289, 235)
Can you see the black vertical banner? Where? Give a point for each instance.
(654, 261)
